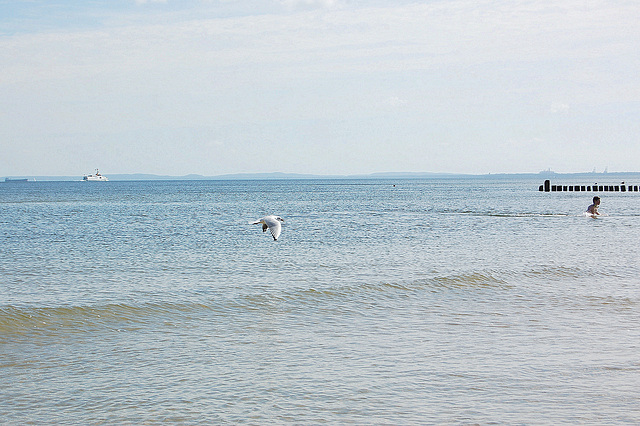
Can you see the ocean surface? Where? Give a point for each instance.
(433, 301)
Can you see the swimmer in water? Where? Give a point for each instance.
(593, 208)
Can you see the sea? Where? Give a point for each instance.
(444, 300)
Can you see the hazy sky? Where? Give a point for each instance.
(318, 86)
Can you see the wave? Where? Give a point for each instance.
(160, 310)
(18, 320)
(489, 213)
(579, 273)
(71, 319)
(548, 271)
(472, 279)
(505, 214)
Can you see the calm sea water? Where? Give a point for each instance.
(387, 302)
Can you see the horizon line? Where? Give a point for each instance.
(286, 175)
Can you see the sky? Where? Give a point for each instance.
(217, 87)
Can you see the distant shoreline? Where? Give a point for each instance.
(299, 176)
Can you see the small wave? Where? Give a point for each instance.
(621, 303)
(118, 317)
(528, 214)
(581, 272)
(623, 367)
(367, 292)
(471, 279)
(503, 214)
(555, 272)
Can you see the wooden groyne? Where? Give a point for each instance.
(547, 187)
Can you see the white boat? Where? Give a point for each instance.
(95, 178)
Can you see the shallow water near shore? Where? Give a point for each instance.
(449, 300)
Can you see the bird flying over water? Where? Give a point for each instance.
(272, 223)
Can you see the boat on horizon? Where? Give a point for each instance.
(13, 180)
(97, 177)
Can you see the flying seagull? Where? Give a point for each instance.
(272, 223)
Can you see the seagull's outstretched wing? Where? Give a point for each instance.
(258, 222)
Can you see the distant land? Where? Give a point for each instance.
(283, 176)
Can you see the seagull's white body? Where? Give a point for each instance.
(272, 223)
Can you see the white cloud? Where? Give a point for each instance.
(396, 102)
(559, 107)
(305, 4)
